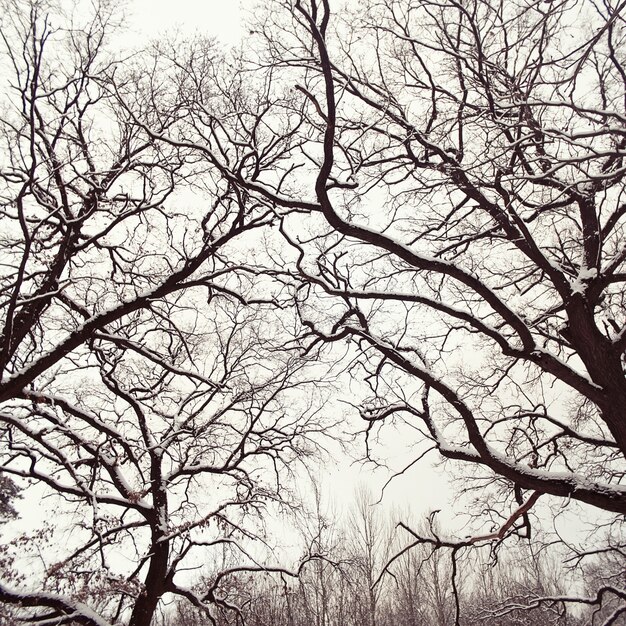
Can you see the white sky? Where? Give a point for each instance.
(221, 19)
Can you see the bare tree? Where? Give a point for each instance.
(605, 573)
(368, 545)
(319, 596)
(151, 376)
(489, 241)
(419, 579)
(502, 595)
(457, 169)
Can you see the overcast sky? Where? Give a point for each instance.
(219, 18)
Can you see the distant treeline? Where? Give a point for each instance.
(363, 578)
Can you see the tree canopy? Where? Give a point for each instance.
(426, 195)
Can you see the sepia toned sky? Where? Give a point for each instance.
(221, 19)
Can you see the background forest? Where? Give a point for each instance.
(366, 576)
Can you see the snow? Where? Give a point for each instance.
(541, 353)
(53, 599)
(577, 482)
(586, 274)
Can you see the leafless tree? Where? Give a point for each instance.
(417, 599)
(151, 375)
(501, 595)
(518, 269)
(451, 181)
(368, 545)
(447, 177)
(414, 590)
(605, 575)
